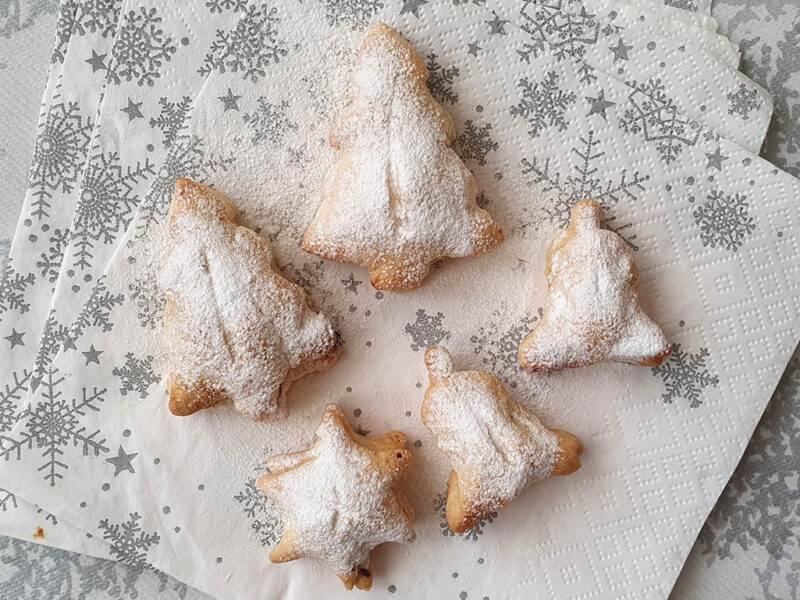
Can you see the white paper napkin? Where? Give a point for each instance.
(716, 230)
(63, 133)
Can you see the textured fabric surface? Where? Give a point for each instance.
(748, 548)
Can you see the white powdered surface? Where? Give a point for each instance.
(398, 188)
(593, 312)
(241, 328)
(497, 446)
(335, 501)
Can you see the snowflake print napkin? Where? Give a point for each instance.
(70, 99)
(714, 229)
(85, 184)
(652, 55)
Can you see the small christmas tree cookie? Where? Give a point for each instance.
(497, 446)
(593, 311)
(234, 329)
(340, 498)
(398, 198)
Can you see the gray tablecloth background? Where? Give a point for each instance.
(750, 545)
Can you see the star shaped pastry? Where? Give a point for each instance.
(340, 498)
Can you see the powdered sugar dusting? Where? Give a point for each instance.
(234, 325)
(398, 193)
(497, 446)
(339, 499)
(593, 312)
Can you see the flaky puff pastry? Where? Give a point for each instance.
(340, 498)
(593, 312)
(398, 198)
(234, 329)
(497, 447)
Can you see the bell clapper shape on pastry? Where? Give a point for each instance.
(593, 312)
(398, 198)
(496, 446)
(340, 497)
(234, 329)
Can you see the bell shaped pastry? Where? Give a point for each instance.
(497, 447)
(593, 312)
(340, 498)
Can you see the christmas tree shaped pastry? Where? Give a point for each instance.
(398, 198)
(497, 447)
(340, 498)
(234, 329)
(593, 312)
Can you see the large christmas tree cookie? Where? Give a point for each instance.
(234, 329)
(398, 198)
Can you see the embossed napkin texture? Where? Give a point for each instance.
(714, 229)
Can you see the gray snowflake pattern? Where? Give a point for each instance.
(53, 336)
(760, 506)
(95, 313)
(64, 21)
(81, 19)
(171, 118)
(654, 116)
(311, 277)
(562, 193)
(685, 375)
(187, 157)
(473, 535)
(249, 48)
(441, 80)
(498, 343)
(724, 220)
(62, 142)
(475, 142)
(106, 204)
(136, 375)
(97, 16)
(264, 518)
(426, 330)
(743, 101)
(219, 6)
(8, 501)
(269, 122)
(11, 398)
(140, 48)
(355, 14)
(52, 425)
(150, 301)
(38, 572)
(682, 4)
(12, 290)
(551, 26)
(49, 261)
(97, 310)
(543, 104)
(129, 542)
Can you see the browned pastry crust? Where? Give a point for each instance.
(360, 504)
(200, 376)
(593, 312)
(421, 175)
(496, 445)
